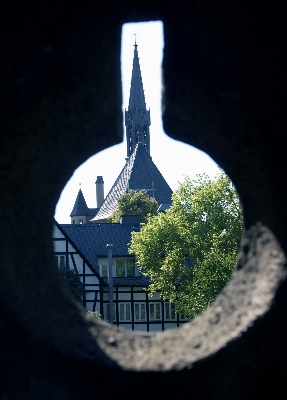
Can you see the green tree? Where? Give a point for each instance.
(135, 203)
(95, 314)
(73, 281)
(190, 251)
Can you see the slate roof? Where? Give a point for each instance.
(92, 212)
(140, 172)
(137, 98)
(92, 239)
(80, 206)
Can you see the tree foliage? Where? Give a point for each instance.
(73, 281)
(190, 251)
(95, 314)
(135, 203)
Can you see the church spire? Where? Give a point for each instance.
(137, 117)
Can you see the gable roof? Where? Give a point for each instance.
(94, 267)
(91, 241)
(140, 172)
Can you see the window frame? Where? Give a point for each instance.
(101, 270)
(126, 306)
(125, 267)
(61, 260)
(106, 312)
(104, 263)
(172, 310)
(140, 304)
(153, 314)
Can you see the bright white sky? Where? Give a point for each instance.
(174, 159)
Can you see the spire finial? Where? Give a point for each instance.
(135, 35)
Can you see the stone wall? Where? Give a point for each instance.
(225, 92)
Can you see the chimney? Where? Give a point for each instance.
(99, 191)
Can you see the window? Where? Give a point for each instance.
(182, 316)
(122, 268)
(169, 311)
(74, 221)
(154, 311)
(140, 312)
(104, 270)
(61, 260)
(106, 312)
(125, 267)
(125, 312)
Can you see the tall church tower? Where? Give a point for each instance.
(137, 117)
(139, 171)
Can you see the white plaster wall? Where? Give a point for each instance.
(106, 296)
(92, 287)
(126, 326)
(140, 327)
(90, 295)
(57, 233)
(60, 246)
(155, 296)
(155, 328)
(71, 248)
(79, 263)
(91, 279)
(171, 325)
(124, 296)
(139, 296)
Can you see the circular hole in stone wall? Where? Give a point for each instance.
(200, 230)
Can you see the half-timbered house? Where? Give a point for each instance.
(84, 248)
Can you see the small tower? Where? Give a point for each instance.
(79, 212)
(137, 117)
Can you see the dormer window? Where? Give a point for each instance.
(125, 267)
(122, 268)
(104, 271)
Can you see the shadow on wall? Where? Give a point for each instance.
(224, 75)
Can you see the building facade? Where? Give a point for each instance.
(84, 248)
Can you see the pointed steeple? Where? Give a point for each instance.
(80, 206)
(137, 117)
(137, 99)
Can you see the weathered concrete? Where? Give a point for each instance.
(225, 92)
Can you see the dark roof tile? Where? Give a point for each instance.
(80, 206)
(92, 239)
(139, 173)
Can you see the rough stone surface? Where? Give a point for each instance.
(225, 92)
